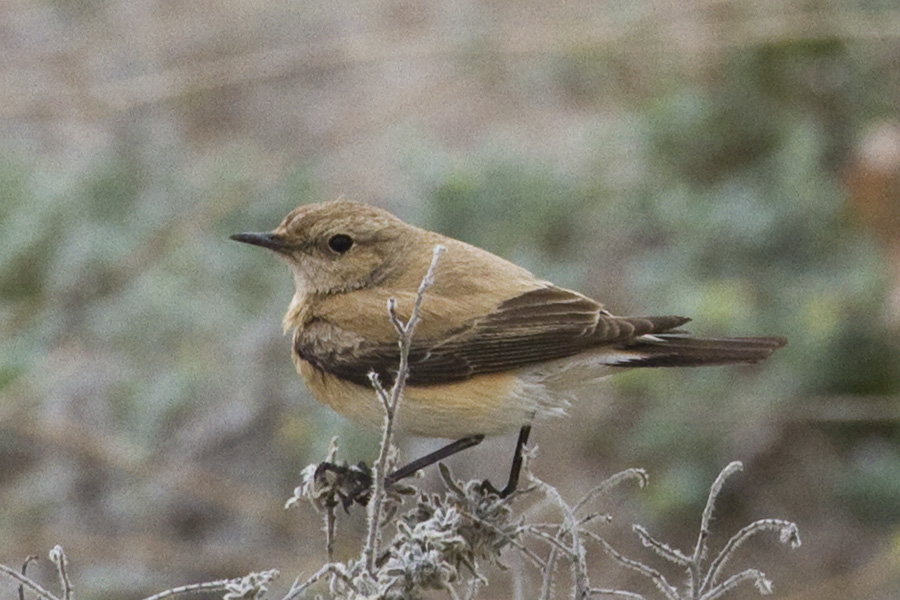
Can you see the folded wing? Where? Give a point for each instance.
(541, 325)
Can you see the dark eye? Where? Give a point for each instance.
(340, 243)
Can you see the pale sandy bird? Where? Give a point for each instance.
(496, 347)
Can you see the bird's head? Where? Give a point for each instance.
(340, 246)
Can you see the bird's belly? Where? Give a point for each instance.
(486, 404)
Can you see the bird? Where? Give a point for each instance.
(496, 347)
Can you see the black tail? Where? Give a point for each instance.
(681, 350)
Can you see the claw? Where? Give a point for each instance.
(488, 488)
(349, 484)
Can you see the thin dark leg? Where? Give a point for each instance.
(513, 482)
(429, 459)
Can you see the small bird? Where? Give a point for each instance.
(496, 347)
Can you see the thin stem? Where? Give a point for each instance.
(330, 520)
(616, 593)
(549, 570)
(27, 583)
(640, 475)
(715, 568)
(405, 332)
(297, 589)
(714, 492)
(58, 556)
(652, 574)
(672, 555)
(209, 586)
(330, 507)
(695, 567)
(553, 541)
(473, 588)
(25, 564)
(759, 579)
(570, 526)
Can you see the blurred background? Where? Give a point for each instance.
(734, 161)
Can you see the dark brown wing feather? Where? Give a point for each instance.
(540, 325)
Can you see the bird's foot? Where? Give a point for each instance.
(344, 484)
(487, 487)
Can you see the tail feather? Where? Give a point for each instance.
(680, 350)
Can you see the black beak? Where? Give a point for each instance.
(266, 240)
